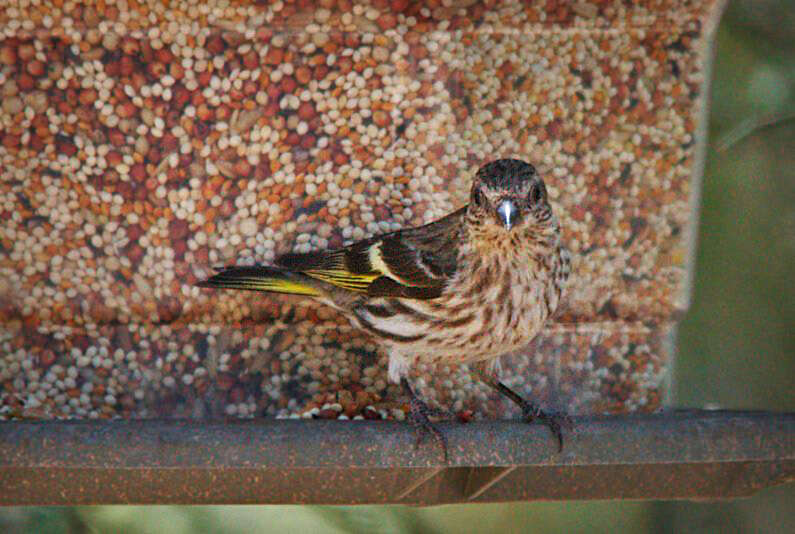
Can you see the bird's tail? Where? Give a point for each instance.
(261, 278)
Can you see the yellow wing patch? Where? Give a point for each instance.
(276, 285)
(344, 279)
(336, 272)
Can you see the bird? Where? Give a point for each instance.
(465, 289)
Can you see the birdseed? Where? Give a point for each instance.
(143, 143)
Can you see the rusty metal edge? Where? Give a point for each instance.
(674, 455)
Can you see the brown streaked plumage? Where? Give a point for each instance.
(467, 288)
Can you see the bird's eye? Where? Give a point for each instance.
(479, 198)
(537, 193)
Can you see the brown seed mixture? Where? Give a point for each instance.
(143, 142)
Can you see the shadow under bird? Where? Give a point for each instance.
(467, 288)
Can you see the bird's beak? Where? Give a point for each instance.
(507, 213)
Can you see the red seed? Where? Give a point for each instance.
(134, 232)
(126, 110)
(115, 137)
(181, 96)
(203, 112)
(306, 111)
(126, 65)
(65, 146)
(8, 56)
(345, 64)
(222, 112)
(169, 142)
(340, 158)
(554, 128)
(87, 97)
(180, 248)
(204, 78)
(308, 141)
(138, 172)
(10, 141)
(320, 72)
(371, 414)
(387, 21)
(381, 118)
(303, 75)
(113, 158)
(242, 167)
(215, 45)
(135, 253)
(225, 381)
(293, 139)
(251, 60)
(250, 88)
(26, 52)
(47, 358)
(155, 70)
(25, 82)
(465, 416)
(288, 84)
(274, 56)
(178, 229)
(176, 70)
(164, 55)
(399, 5)
(36, 142)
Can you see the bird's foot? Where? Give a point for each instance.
(418, 415)
(556, 422)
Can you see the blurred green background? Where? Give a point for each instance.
(736, 345)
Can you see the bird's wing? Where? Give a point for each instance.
(411, 263)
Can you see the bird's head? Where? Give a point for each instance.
(508, 195)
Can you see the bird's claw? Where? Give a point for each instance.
(556, 422)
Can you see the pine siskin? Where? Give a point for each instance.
(467, 288)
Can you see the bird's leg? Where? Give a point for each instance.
(418, 413)
(555, 422)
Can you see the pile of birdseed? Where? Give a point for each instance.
(142, 143)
